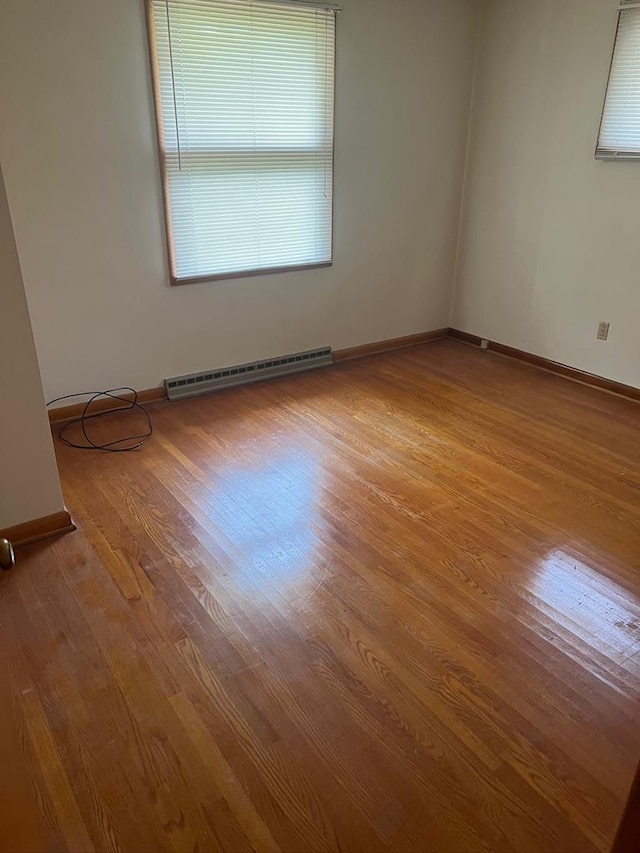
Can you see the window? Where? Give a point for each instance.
(620, 127)
(245, 99)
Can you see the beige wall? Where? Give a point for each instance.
(78, 143)
(549, 244)
(29, 485)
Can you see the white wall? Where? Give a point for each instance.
(549, 244)
(77, 139)
(29, 485)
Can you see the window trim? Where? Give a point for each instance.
(608, 154)
(224, 276)
(174, 280)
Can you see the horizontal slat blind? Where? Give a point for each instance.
(620, 129)
(245, 92)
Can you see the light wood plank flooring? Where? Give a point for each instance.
(393, 605)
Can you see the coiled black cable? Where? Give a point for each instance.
(114, 446)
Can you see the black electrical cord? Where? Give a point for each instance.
(110, 446)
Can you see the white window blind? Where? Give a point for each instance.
(620, 128)
(245, 102)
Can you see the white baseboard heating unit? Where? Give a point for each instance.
(195, 384)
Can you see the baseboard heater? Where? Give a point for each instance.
(195, 384)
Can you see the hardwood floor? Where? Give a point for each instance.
(389, 606)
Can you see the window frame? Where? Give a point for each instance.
(174, 280)
(608, 154)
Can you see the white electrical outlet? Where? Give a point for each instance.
(603, 330)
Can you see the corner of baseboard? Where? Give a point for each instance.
(38, 529)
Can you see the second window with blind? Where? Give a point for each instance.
(245, 105)
(619, 137)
